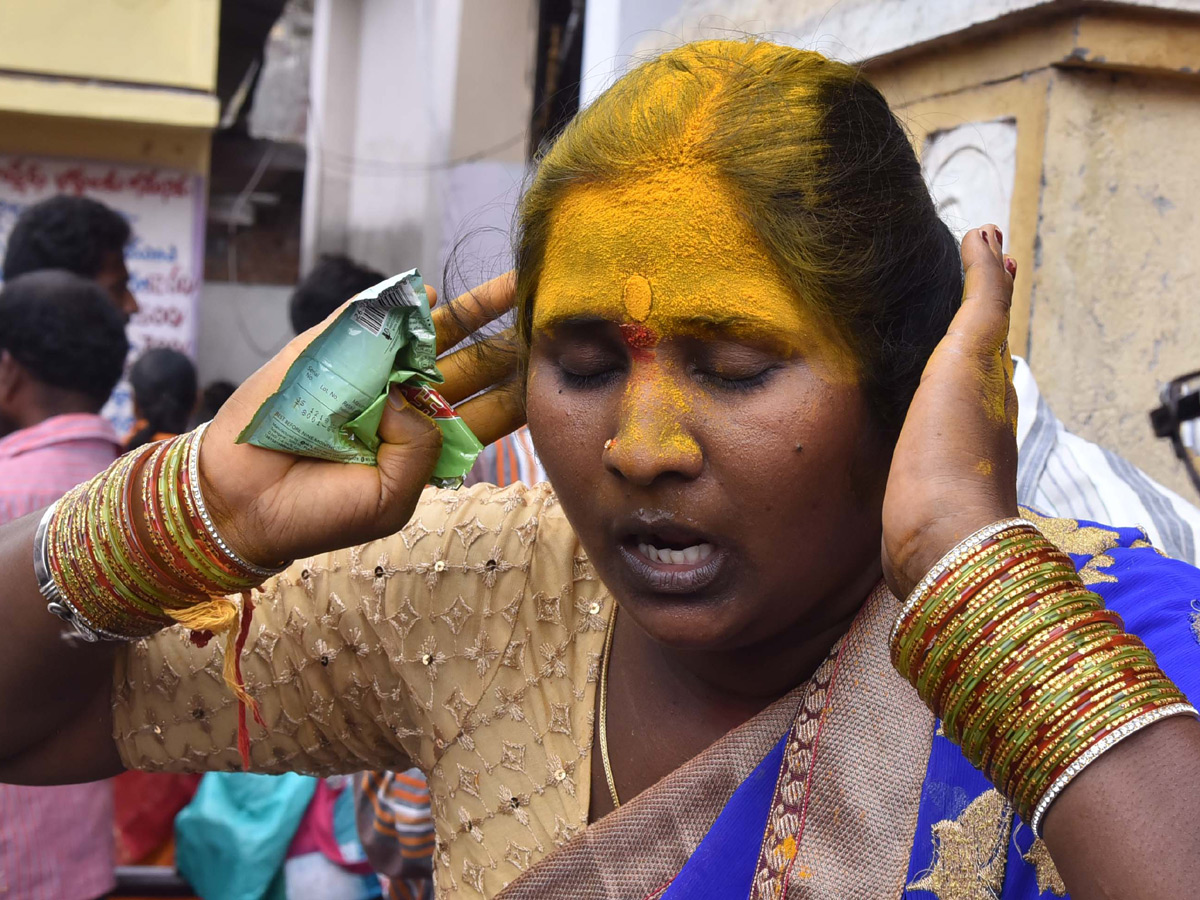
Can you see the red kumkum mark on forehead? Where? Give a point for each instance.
(640, 339)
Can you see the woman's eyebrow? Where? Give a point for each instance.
(576, 323)
(706, 325)
(731, 324)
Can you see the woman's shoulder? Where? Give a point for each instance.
(485, 527)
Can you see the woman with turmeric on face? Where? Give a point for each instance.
(750, 359)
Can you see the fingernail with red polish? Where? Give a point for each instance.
(1011, 265)
(999, 237)
(983, 234)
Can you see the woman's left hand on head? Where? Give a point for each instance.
(954, 469)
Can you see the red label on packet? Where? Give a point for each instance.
(428, 401)
(459, 445)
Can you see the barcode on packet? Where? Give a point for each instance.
(370, 317)
(371, 313)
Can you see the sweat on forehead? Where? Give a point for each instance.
(662, 248)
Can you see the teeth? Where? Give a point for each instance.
(697, 553)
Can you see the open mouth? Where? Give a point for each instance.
(676, 556)
(668, 557)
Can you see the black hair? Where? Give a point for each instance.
(331, 282)
(63, 329)
(65, 232)
(164, 389)
(212, 398)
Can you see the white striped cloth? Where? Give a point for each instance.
(1061, 474)
(508, 460)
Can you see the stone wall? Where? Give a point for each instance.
(1115, 307)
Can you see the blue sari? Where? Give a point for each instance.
(966, 841)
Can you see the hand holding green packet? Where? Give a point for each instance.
(331, 400)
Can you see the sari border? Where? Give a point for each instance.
(793, 787)
(639, 848)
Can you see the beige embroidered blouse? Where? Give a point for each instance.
(467, 644)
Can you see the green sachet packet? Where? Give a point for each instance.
(332, 398)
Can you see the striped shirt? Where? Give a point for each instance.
(1062, 475)
(507, 461)
(56, 843)
(395, 826)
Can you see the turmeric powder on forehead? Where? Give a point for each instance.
(632, 251)
(667, 249)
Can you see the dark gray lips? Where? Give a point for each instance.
(669, 578)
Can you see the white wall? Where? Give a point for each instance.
(855, 29)
(418, 126)
(612, 32)
(240, 326)
(382, 106)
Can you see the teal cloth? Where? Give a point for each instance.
(232, 839)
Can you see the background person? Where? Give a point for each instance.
(1062, 474)
(333, 280)
(164, 395)
(62, 349)
(78, 234)
(212, 398)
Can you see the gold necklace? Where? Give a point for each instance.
(608, 638)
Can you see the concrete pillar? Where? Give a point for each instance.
(420, 115)
(382, 104)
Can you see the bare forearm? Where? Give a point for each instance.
(1127, 827)
(50, 689)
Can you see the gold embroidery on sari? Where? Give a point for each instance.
(1141, 544)
(971, 852)
(785, 823)
(1048, 878)
(1082, 540)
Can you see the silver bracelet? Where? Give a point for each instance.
(952, 557)
(56, 601)
(193, 464)
(1098, 749)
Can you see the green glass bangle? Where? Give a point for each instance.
(929, 682)
(917, 622)
(1026, 737)
(1042, 663)
(1004, 726)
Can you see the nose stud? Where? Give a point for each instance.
(608, 445)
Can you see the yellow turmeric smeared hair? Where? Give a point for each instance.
(819, 168)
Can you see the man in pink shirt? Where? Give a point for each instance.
(62, 348)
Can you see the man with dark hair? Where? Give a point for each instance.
(62, 347)
(333, 280)
(77, 234)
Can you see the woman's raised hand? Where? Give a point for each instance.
(954, 470)
(274, 506)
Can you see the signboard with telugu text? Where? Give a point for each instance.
(165, 209)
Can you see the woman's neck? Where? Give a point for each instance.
(667, 705)
(755, 675)
(762, 672)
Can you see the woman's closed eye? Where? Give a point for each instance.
(733, 367)
(742, 381)
(587, 366)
